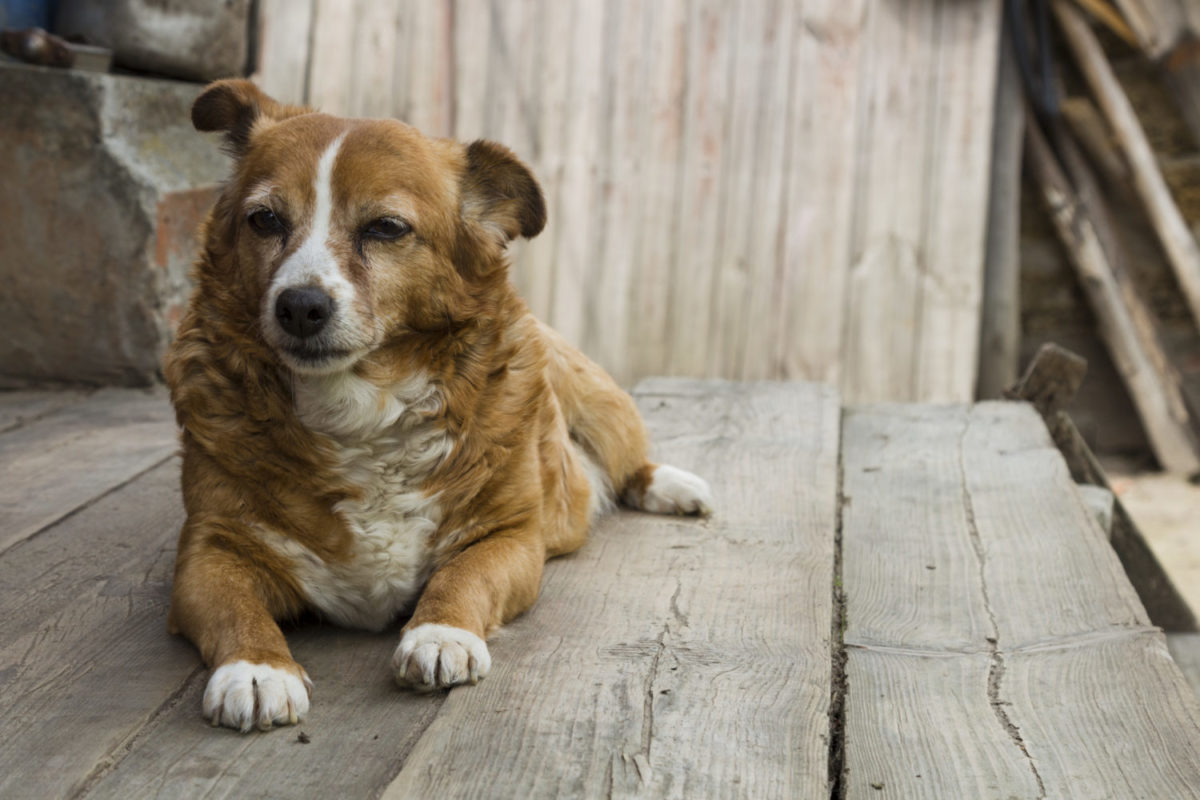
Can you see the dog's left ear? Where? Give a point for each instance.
(499, 192)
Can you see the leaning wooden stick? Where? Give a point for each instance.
(1124, 322)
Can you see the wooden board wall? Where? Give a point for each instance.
(760, 189)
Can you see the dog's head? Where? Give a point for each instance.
(345, 234)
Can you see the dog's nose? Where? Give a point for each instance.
(303, 312)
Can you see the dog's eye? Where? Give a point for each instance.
(387, 228)
(265, 222)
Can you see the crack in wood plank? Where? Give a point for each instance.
(838, 685)
(996, 669)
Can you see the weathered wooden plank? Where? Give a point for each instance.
(285, 27)
(1025, 511)
(537, 267)
(899, 73)
(67, 458)
(359, 731)
(472, 78)
(831, 97)
(621, 200)
(579, 197)
(19, 408)
(910, 573)
(85, 661)
(663, 140)
(712, 40)
(331, 57)
(371, 76)
(425, 85)
(955, 225)
(1023, 598)
(1050, 382)
(920, 725)
(750, 198)
(1185, 649)
(672, 657)
(1106, 717)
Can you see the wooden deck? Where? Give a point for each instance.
(891, 601)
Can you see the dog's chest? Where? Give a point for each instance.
(387, 450)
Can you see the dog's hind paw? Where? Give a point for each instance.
(675, 491)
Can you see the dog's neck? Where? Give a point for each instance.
(350, 408)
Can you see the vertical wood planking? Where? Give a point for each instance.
(667, 76)
(331, 62)
(538, 266)
(473, 81)
(373, 53)
(883, 304)
(755, 31)
(797, 318)
(952, 243)
(615, 273)
(428, 59)
(711, 45)
(577, 218)
(284, 30)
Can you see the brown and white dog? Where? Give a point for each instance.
(373, 422)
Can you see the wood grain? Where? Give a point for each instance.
(1107, 717)
(19, 408)
(699, 664)
(919, 725)
(360, 730)
(66, 458)
(1185, 649)
(882, 307)
(801, 313)
(285, 27)
(952, 243)
(1024, 625)
(1125, 323)
(85, 660)
(1178, 242)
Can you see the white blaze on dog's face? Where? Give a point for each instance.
(352, 233)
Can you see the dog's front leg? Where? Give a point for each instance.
(225, 599)
(481, 588)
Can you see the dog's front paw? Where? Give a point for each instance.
(676, 491)
(243, 695)
(434, 656)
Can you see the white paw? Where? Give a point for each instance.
(434, 656)
(243, 695)
(676, 491)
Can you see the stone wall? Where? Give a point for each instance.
(102, 186)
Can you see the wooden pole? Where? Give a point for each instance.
(1124, 322)
(1177, 240)
(1000, 322)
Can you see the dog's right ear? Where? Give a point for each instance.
(235, 107)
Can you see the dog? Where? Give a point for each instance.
(373, 424)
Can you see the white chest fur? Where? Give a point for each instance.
(388, 448)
